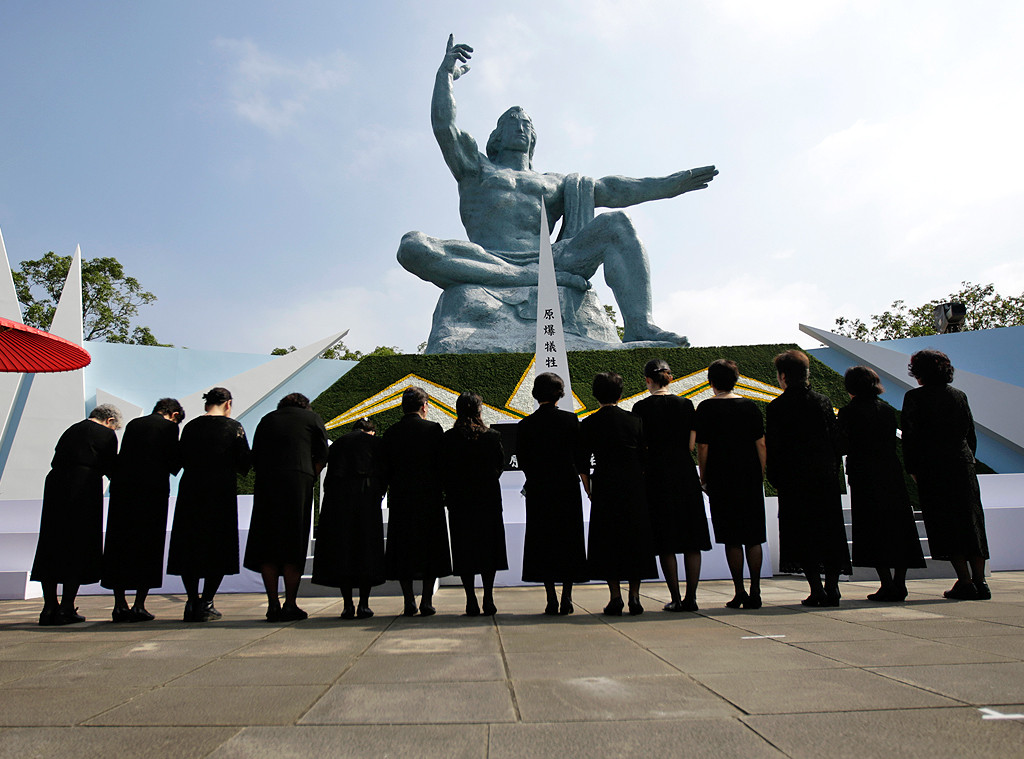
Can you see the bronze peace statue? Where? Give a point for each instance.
(490, 282)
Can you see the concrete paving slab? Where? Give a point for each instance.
(266, 672)
(58, 647)
(426, 668)
(900, 652)
(26, 707)
(13, 671)
(717, 738)
(222, 705)
(412, 703)
(173, 649)
(811, 627)
(593, 699)
(945, 627)
(756, 655)
(298, 646)
(436, 640)
(355, 741)
(1005, 645)
(101, 672)
(978, 684)
(547, 665)
(817, 690)
(558, 639)
(93, 743)
(909, 733)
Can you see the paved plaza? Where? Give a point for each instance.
(928, 678)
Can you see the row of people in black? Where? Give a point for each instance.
(645, 495)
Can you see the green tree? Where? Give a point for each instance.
(614, 317)
(110, 298)
(343, 352)
(986, 309)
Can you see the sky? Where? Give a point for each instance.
(255, 164)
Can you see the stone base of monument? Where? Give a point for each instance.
(478, 319)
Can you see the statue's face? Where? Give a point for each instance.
(517, 131)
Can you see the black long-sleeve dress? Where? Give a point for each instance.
(550, 453)
(804, 467)
(939, 442)
(417, 537)
(288, 450)
(204, 531)
(350, 536)
(472, 465)
(620, 544)
(70, 547)
(133, 555)
(674, 498)
(730, 428)
(884, 532)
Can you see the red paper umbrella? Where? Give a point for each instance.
(27, 349)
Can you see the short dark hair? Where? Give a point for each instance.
(168, 407)
(794, 366)
(723, 374)
(931, 367)
(413, 399)
(366, 424)
(293, 400)
(215, 396)
(862, 380)
(658, 372)
(607, 387)
(548, 387)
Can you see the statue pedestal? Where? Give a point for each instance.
(479, 319)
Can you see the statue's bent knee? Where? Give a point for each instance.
(413, 250)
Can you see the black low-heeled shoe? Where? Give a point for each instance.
(489, 609)
(737, 600)
(752, 602)
(426, 610)
(141, 615)
(197, 613)
(614, 608)
(673, 606)
(122, 614)
(71, 617)
(962, 590)
(50, 616)
(551, 609)
(409, 610)
(292, 613)
(688, 604)
(814, 600)
(211, 611)
(363, 612)
(635, 608)
(348, 612)
(565, 608)
(984, 593)
(472, 608)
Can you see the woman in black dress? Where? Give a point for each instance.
(204, 531)
(549, 453)
(620, 543)
(289, 449)
(803, 465)
(674, 498)
(884, 531)
(731, 455)
(349, 549)
(939, 443)
(70, 548)
(133, 553)
(472, 461)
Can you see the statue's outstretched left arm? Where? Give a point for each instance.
(620, 192)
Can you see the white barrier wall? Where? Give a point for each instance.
(1002, 495)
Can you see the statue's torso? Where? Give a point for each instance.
(500, 207)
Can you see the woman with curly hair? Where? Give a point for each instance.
(938, 447)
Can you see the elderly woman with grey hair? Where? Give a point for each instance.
(70, 548)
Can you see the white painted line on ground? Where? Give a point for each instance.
(988, 713)
(760, 637)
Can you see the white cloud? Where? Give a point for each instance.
(271, 92)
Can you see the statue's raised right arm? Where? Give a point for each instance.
(458, 148)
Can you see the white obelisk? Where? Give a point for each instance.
(551, 355)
